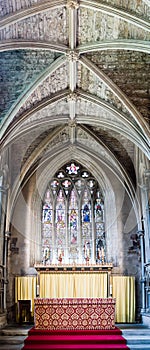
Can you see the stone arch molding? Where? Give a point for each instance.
(130, 129)
(102, 176)
(42, 182)
(73, 6)
(49, 157)
(118, 44)
(83, 141)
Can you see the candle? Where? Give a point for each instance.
(37, 289)
(110, 289)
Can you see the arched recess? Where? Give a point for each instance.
(40, 168)
(36, 186)
(42, 182)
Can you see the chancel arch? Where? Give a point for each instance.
(112, 208)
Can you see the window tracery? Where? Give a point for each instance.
(73, 218)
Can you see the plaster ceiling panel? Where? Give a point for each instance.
(11, 6)
(63, 140)
(23, 149)
(92, 84)
(121, 147)
(140, 7)
(58, 140)
(19, 69)
(94, 116)
(50, 112)
(36, 143)
(130, 71)
(107, 137)
(98, 26)
(137, 6)
(54, 83)
(48, 26)
(53, 115)
(91, 111)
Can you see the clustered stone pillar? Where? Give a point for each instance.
(3, 248)
(141, 237)
(147, 286)
(3, 195)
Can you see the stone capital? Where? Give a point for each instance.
(72, 123)
(140, 233)
(73, 4)
(72, 97)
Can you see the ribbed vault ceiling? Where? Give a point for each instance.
(80, 69)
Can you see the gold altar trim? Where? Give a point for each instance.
(75, 267)
(70, 272)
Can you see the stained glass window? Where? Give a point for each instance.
(60, 227)
(47, 228)
(100, 231)
(86, 233)
(73, 218)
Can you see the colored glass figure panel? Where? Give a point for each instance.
(73, 217)
(86, 226)
(60, 234)
(47, 229)
(99, 208)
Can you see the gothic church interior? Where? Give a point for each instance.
(74, 159)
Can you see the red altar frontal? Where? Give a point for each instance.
(74, 313)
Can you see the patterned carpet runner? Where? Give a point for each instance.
(74, 339)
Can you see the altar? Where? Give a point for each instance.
(74, 313)
(88, 282)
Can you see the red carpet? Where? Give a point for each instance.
(74, 339)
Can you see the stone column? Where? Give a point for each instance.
(7, 236)
(3, 203)
(3, 266)
(147, 286)
(141, 237)
(146, 213)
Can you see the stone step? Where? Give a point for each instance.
(14, 331)
(12, 337)
(11, 346)
(138, 338)
(139, 347)
(5, 339)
